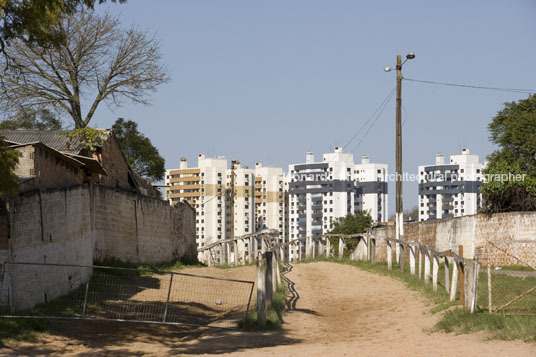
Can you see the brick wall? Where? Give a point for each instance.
(78, 224)
(114, 163)
(472, 232)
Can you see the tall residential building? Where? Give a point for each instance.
(450, 189)
(223, 198)
(320, 192)
(271, 200)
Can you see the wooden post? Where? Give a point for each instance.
(447, 275)
(269, 278)
(389, 255)
(261, 290)
(420, 260)
(454, 282)
(460, 275)
(373, 251)
(426, 265)
(412, 259)
(490, 305)
(435, 271)
(341, 248)
(402, 257)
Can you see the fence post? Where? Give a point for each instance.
(471, 269)
(328, 247)
(461, 276)
(341, 248)
(490, 305)
(389, 255)
(228, 253)
(412, 259)
(307, 247)
(454, 282)
(369, 246)
(435, 271)
(167, 300)
(320, 247)
(235, 256)
(447, 275)
(269, 277)
(300, 249)
(420, 260)
(85, 300)
(373, 250)
(275, 270)
(426, 265)
(261, 290)
(402, 256)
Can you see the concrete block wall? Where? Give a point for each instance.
(472, 232)
(78, 224)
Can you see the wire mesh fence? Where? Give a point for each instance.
(512, 278)
(98, 292)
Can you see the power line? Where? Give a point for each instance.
(385, 103)
(512, 90)
(370, 118)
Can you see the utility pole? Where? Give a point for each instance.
(399, 220)
(233, 195)
(399, 206)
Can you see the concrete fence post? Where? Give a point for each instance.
(402, 256)
(420, 260)
(300, 250)
(471, 284)
(389, 255)
(447, 275)
(412, 259)
(328, 247)
(320, 247)
(426, 265)
(369, 245)
(275, 270)
(227, 253)
(435, 271)
(461, 276)
(307, 247)
(235, 249)
(269, 277)
(242, 249)
(341, 248)
(454, 282)
(262, 308)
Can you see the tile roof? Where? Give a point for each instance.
(49, 138)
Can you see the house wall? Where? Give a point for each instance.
(114, 163)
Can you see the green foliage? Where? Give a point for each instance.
(21, 329)
(350, 224)
(514, 130)
(89, 136)
(141, 155)
(34, 20)
(32, 119)
(9, 159)
(274, 316)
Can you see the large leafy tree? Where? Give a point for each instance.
(32, 119)
(141, 155)
(94, 61)
(514, 130)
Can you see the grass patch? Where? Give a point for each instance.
(176, 264)
(13, 329)
(274, 317)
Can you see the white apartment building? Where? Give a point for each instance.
(271, 200)
(450, 189)
(320, 192)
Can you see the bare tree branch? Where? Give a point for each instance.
(96, 62)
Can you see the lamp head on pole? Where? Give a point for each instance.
(410, 55)
(387, 69)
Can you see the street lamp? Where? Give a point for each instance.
(399, 220)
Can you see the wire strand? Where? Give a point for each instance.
(512, 90)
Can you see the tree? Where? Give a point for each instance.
(351, 224)
(141, 155)
(513, 129)
(9, 182)
(32, 119)
(34, 20)
(95, 61)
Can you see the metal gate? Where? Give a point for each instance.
(121, 294)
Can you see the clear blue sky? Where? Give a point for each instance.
(266, 81)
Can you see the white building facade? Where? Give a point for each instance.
(450, 189)
(320, 192)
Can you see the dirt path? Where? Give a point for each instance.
(338, 310)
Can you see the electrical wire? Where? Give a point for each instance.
(385, 103)
(388, 97)
(512, 90)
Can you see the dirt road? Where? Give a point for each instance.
(337, 310)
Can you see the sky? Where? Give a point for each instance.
(267, 81)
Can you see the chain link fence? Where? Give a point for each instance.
(123, 294)
(509, 274)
